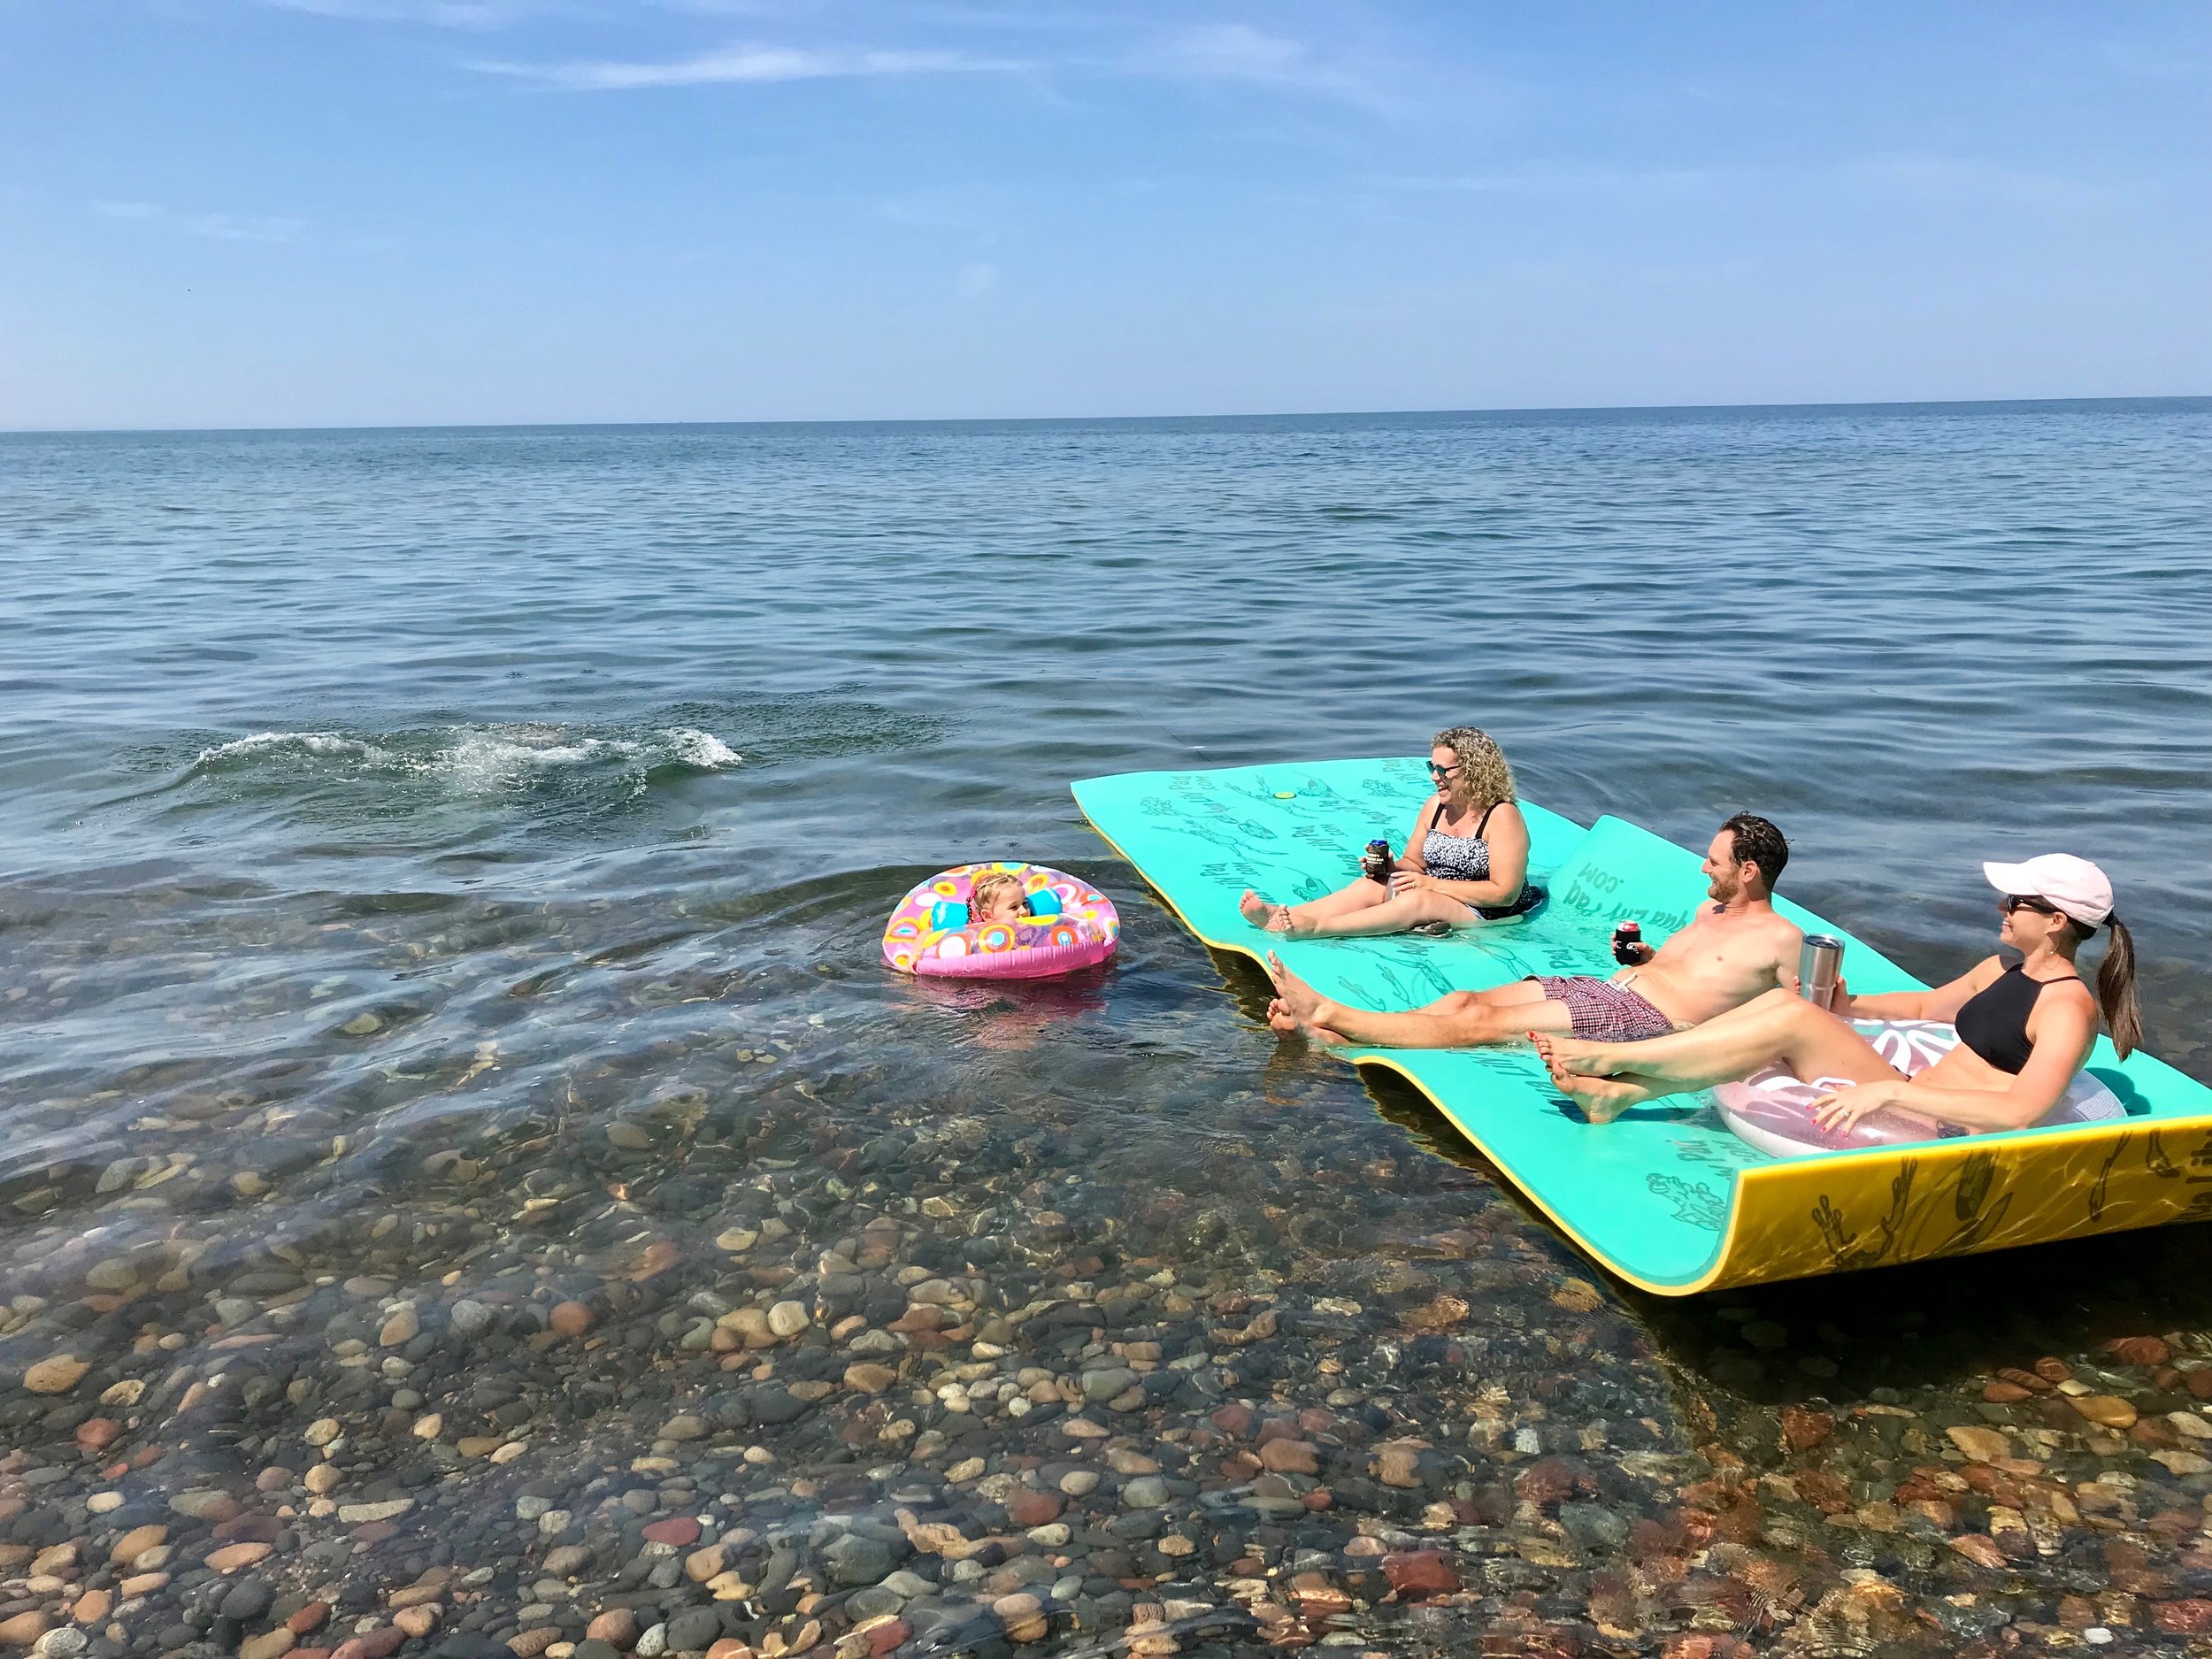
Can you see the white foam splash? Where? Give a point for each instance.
(485, 758)
(703, 749)
(313, 742)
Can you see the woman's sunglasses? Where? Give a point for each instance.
(1436, 771)
(2024, 901)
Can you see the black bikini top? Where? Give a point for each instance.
(1994, 1022)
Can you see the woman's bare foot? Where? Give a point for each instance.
(1601, 1098)
(1280, 1019)
(1253, 909)
(1577, 1055)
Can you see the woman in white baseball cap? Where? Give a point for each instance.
(2024, 1030)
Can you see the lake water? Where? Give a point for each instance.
(443, 873)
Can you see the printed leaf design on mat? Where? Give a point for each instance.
(1404, 998)
(1695, 1204)
(1977, 1219)
(1312, 800)
(2154, 1156)
(1253, 828)
(1977, 1173)
(1843, 1244)
(1216, 835)
(1717, 1150)
(1433, 975)
(2200, 1178)
(1239, 876)
(2104, 1178)
(1360, 993)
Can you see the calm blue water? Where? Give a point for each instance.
(574, 769)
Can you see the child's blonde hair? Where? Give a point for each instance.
(979, 894)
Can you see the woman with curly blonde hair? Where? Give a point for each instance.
(1465, 865)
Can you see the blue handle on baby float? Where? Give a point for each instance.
(1044, 901)
(946, 914)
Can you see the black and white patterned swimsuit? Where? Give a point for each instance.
(1458, 857)
(1467, 858)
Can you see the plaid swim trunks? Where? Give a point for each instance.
(1602, 1010)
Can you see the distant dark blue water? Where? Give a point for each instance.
(370, 795)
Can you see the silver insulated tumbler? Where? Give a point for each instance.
(1819, 962)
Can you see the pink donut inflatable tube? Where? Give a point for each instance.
(1082, 934)
(1773, 1110)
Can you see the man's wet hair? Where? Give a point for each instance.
(1758, 842)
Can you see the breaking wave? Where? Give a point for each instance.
(472, 758)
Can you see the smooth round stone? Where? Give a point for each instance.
(1098, 1386)
(788, 1318)
(1079, 1482)
(466, 1319)
(1146, 1491)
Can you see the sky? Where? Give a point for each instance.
(341, 213)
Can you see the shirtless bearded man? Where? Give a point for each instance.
(1731, 950)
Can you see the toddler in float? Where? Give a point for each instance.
(997, 899)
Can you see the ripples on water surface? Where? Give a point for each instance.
(442, 885)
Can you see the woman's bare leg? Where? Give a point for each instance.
(1344, 902)
(1776, 1027)
(1396, 915)
(1602, 1099)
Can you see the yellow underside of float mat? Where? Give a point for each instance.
(1665, 1196)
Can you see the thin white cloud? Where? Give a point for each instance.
(976, 282)
(215, 227)
(1237, 51)
(754, 65)
(445, 15)
(1541, 181)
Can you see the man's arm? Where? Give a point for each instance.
(1789, 949)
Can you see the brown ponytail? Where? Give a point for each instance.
(2115, 989)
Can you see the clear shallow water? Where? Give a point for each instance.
(447, 864)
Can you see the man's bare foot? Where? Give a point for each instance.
(1253, 909)
(1298, 998)
(1601, 1098)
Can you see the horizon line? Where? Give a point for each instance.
(1017, 420)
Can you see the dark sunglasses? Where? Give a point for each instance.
(1436, 771)
(2024, 901)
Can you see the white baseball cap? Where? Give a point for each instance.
(2075, 884)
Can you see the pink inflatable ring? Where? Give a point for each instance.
(1773, 1110)
(1072, 925)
